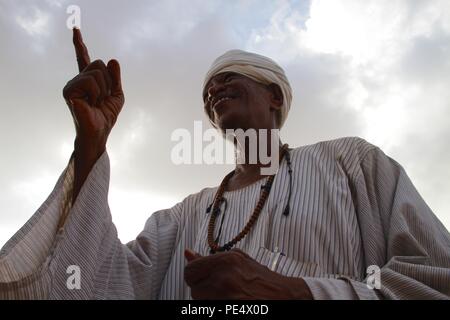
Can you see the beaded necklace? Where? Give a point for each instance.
(214, 246)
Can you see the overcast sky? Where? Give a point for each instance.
(376, 69)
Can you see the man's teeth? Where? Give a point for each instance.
(221, 99)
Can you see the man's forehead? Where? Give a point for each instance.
(219, 77)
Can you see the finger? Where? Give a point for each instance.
(191, 255)
(99, 66)
(114, 71)
(197, 270)
(81, 50)
(202, 292)
(98, 78)
(82, 87)
(98, 70)
(242, 253)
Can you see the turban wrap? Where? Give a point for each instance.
(258, 68)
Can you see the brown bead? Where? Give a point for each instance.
(257, 211)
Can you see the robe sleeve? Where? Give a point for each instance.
(401, 237)
(73, 252)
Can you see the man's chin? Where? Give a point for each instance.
(228, 126)
(226, 123)
(231, 122)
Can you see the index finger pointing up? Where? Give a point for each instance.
(81, 50)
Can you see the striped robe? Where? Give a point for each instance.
(352, 207)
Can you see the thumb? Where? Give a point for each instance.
(191, 255)
(114, 71)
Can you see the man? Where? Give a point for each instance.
(332, 211)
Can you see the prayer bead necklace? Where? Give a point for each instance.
(214, 246)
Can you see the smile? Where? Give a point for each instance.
(220, 101)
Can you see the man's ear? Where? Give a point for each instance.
(276, 96)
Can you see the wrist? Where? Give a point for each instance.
(86, 154)
(89, 148)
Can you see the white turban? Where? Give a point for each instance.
(256, 67)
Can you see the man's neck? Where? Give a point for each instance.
(248, 171)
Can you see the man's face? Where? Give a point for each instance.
(234, 101)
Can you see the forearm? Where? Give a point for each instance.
(86, 154)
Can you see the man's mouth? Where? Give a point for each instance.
(220, 102)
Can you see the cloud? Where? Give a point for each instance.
(383, 67)
(136, 205)
(56, 3)
(35, 24)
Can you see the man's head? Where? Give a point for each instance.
(246, 90)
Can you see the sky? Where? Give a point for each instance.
(377, 69)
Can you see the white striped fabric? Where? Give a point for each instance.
(351, 207)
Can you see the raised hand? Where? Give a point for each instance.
(95, 99)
